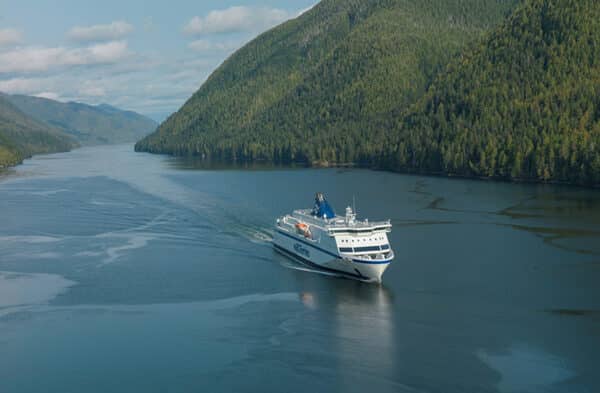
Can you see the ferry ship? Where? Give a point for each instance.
(342, 245)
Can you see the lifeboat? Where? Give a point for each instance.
(303, 229)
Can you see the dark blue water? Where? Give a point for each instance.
(125, 272)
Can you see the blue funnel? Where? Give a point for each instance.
(322, 208)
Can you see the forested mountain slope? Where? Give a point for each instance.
(320, 87)
(22, 136)
(524, 104)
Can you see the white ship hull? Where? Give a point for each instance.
(314, 256)
(342, 245)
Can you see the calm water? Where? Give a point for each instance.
(124, 272)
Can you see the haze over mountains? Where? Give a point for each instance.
(33, 125)
(487, 88)
(89, 125)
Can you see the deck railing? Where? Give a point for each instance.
(340, 223)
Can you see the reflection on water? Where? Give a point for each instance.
(197, 163)
(412, 223)
(567, 203)
(565, 218)
(308, 299)
(575, 313)
(525, 369)
(563, 238)
(362, 329)
(364, 326)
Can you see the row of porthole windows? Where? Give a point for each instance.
(364, 240)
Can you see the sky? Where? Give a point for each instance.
(146, 56)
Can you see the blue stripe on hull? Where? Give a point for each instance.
(309, 244)
(319, 267)
(332, 254)
(386, 262)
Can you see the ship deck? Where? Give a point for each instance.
(341, 224)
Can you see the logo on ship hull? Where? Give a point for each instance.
(301, 250)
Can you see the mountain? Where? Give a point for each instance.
(324, 86)
(522, 104)
(90, 125)
(21, 136)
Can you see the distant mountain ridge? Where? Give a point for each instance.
(21, 136)
(89, 125)
(33, 125)
(318, 88)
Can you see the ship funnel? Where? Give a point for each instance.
(322, 208)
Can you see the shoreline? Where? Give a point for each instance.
(263, 164)
(247, 165)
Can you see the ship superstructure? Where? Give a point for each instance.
(344, 245)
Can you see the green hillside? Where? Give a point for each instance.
(89, 125)
(22, 136)
(524, 104)
(321, 87)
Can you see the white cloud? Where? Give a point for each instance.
(90, 89)
(236, 19)
(201, 45)
(49, 95)
(114, 31)
(207, 46)
(306, 10)
(109, 52)
(141, 83)
(10, 37)
(22, 85)
(35, 59)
